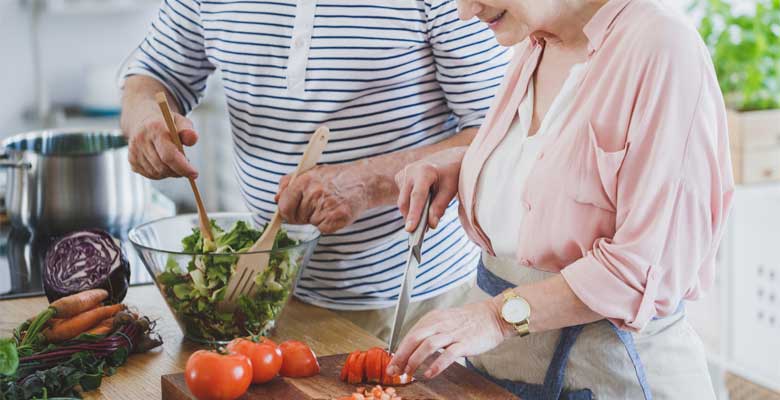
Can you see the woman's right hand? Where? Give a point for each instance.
(152, 152)
(438, 174)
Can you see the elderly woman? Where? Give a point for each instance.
(598, 188)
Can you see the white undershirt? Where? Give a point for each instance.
(500, 204)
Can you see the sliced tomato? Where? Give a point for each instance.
(374, 365)
(357, 368)
(386, 379)
(345, 371)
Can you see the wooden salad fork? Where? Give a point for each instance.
(255, 261)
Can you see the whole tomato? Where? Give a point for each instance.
(214, 376)
(265, 356)
(298, 360)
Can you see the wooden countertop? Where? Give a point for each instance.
(139, 378)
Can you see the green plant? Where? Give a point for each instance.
(745, 49)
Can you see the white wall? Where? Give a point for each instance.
(69, 43)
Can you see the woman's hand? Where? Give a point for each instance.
(329, 197)
(466, 331)
(438, 173)
(152, 153)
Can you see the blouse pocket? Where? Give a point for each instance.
(597, 174)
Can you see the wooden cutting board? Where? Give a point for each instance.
(456, 382)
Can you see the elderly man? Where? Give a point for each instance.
(394, 81)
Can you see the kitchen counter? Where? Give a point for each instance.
(139, 378)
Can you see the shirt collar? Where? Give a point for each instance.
(600, 24)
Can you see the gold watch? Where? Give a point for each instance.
(516, 312)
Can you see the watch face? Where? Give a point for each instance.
(515, 310)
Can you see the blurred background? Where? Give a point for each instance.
(60, 67)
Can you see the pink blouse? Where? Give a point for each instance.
(629, 200)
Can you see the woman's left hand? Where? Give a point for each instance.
(465, 331)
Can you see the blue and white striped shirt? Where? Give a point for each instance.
(384, 76)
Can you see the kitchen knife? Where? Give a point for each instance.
(407, 284)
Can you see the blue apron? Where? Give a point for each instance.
(552, 388)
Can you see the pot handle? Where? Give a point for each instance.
(15, 164)
(4, 163)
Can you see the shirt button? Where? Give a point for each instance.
(540, 156)
(299, 42)
(526, 262)
(527, 206)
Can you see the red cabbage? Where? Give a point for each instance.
(88, 259)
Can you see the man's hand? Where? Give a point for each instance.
(329, 197)
(152, 153)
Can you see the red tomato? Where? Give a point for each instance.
(265, 356)
(213, 376)
(298, 360)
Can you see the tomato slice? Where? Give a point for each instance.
(345, 371)
(386, 379)
(357, 368)
(374, 365)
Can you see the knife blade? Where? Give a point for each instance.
(407, 284)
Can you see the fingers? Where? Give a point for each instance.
(426, 348)
(334, 218)
(187, 134)
(424, 328)
(405, 190)
(153, 152)
(161, 169)
(447, 357)
(423, 182)
(188, 137)
(288, 203)
(171, 158)
(283, 183)
(443, 194)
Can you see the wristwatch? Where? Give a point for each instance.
(516, 312)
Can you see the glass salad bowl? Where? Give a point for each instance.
(192, 275)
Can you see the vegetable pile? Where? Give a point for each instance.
(84, 260)
(226, 374)
(377, 393)
(73, 343)
(370, 366)
(194, 292)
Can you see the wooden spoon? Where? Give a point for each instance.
(205, 225)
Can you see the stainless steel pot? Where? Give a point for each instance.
(62, 180)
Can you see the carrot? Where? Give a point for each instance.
(66, 307)
(104, 327)
(81, 323)
(55, 321)
(99, 330)
(75, 304)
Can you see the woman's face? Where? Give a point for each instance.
(512, 20)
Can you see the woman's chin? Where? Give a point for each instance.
(508, 39)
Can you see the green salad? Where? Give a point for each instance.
(193, 291)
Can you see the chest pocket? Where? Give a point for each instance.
(596, 175)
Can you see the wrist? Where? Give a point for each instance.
(381, 189)
(506, 329)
